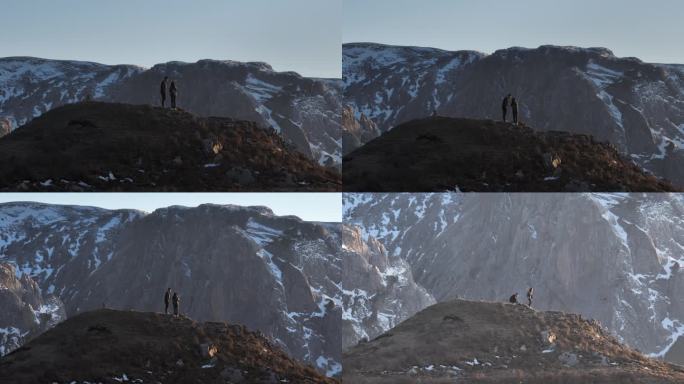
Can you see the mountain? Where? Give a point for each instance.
(123, 346)
(442, 154)
(487, 342)
(26, 312)
(615, 258)
(97, 146)
(304, 111)
(243, 265)
(636, 106)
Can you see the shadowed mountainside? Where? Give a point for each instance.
(111, 346)
(440, 154)
(96, 146)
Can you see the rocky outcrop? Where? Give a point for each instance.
(485, 342)
(26, 312)
(615, 258)
(636, 106)
(5, 127)
(212, 255)
(96, 146)
(378, 289)
(356, 130)
(304, 111)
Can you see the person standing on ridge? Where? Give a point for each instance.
(530, 293)
(167, 299)
(162, 90)
(504, 106)
(514, 110)
(514, 298)
(173, 91)
(176, 304)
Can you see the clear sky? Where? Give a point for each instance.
(297, 35)
(651, 30)
(308, 206)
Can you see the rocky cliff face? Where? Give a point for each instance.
(305, 111)
(638, 107)
(26, 312)
(378, 289)
(615, 258)
(279, 275)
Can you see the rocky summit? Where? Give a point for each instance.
(489, 342)
(442, 154)
(97, 146)
(108, 346)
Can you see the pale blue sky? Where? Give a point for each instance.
(308, 206)
(298, 35)
(651, 30)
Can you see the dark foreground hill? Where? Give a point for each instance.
(109, 346)
(97, 146)
(439, 153)
(480, 342)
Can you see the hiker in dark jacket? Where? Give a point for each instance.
(173, 91)
(162, 90)
(514, 109)
(504, 106)
(167, 299)
(176, 304)
(530, 293)
(514, 298)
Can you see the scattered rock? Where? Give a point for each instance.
(212, 147)
(548, 337)
(208, 350)
(551, 161)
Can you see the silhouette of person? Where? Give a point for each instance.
(514, 110)
(504, 106)
(176, 304)
(162, 90)
(167, 299)
(530, 293)
(514, 298)
(173, 91)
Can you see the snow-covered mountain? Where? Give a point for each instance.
(612, 257)
(245, 265)
(306, 111)
(637, 106)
